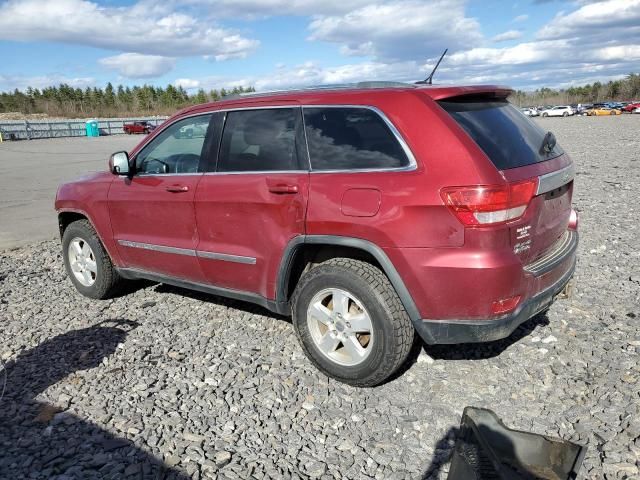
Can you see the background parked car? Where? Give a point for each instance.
(138, 127)
(583, 107)
(630, 107)
(530, 111)
(599, 111)
(558, 111)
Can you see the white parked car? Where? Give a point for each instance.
(530, 111)
(558, 111)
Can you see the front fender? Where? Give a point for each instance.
(87, 196)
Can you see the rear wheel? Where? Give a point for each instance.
(545, 114)
(351, 323)
(87, 262)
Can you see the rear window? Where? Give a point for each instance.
(508, 137)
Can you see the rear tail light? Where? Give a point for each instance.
(505, 305)
(480, 205)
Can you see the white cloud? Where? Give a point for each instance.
(141, 28)
(269, 8)
(399, 30)
(599, 19)
(135, 65)
(508, 35)
(521, 18)
(21, 82)
(187, 83)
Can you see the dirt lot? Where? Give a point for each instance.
(30, 172)
(167, 382)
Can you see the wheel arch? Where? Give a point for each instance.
(302, 250)
(66, 216)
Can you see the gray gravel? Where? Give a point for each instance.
(164, 383)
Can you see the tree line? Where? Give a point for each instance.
(626, 89)
(65, 101)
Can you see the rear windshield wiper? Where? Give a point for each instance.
(548, 144)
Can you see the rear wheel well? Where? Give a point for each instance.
(306, 256)
(67, 218)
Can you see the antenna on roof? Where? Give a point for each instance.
(429, 79)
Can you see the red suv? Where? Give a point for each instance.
(366, 213)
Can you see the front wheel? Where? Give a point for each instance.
(87, 263)
(545, 114)
(351, 322)
(612, 113)
(565, 114)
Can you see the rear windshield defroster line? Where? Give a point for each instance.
(506, 136)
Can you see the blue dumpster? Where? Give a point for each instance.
(92, 128)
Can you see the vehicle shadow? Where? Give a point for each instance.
(241, 305)
(469, 351)
(41, 440)
(442, 453)
(484, 351)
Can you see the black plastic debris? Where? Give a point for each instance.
(487, 450)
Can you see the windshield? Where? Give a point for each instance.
(506, 136)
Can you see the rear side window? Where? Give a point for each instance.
(348, 138)
(506, 136)
(259, 140)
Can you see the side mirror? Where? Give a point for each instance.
(119, 163)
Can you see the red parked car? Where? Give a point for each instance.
(367, 214)
(138, 127)
(630, 107)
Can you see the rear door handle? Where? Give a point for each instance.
(283, 188)
(177, 188)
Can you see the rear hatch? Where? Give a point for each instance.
(521, 151)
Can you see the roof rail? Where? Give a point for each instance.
(336, 86)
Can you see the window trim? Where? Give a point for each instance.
(200, 163)
(413, 165)
(299, 125)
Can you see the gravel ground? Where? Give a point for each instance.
(164, 383)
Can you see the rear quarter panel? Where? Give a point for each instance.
(411, 212)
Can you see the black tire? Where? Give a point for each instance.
(391, 326)
(545, 114)
(565, 114)
(107, 280)
(612, 113)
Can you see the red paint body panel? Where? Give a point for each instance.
(142, 210)
(88, 196)
(238, 214)
(450, 271)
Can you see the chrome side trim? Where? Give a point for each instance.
(557, 179)
(189, 252)
(226, 257)
(158, 248)
(565, 246)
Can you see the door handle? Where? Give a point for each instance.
(177, 188)
(283, 188)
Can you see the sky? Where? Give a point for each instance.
(276, 44)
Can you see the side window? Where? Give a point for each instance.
(176, 150)
(259, 140)
(346, 138)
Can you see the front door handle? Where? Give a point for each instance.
(283, 188)
(177, 188)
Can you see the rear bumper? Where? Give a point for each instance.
(478, 330)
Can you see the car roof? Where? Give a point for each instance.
(342, 93)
